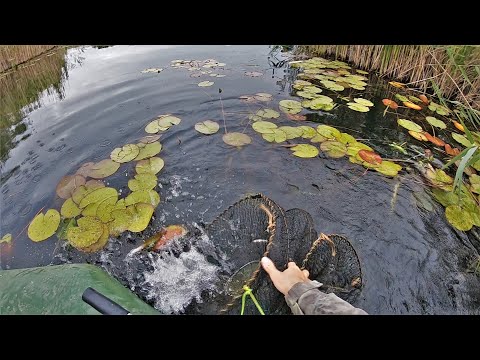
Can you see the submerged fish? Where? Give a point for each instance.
(162, 238)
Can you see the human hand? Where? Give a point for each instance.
(284, 280)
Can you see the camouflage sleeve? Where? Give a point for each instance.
(304, 298)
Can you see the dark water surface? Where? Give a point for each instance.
(413, 262)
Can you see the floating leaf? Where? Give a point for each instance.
(433, 139)
(412, 105)
(461, 139)
(306, 95)
(435, 122)
(143, 196)
(363, 102)
(418, 135)
(44, 225)
(396, 84)
(424, 99)
(305, 151)
(291, 132)
(265, 97)
(358, 107)
(277, 135)
(104, 210)
(331, 85)
(148, 150)
(65, 224)
(312, 89)
(388, 168)
(458, 126)
(82, 191)
(149, 139)
(401, 98)
(67, 185)
(70, 209)
(92, 209)
(446, 198)
(97, 196)
(390, 103)
(321, 100)
(237, 139)
(7, 238)
(439, 178)
(84, 169)
(328, 132)
(300, 84)
(354, 148)
(149, 166)
(409, 125)
(458, 218)
(255, 117)
(253, 73)
(207, 127)
(154, 127)
(475, 183)
(308, 132)
(296, 117)
(414, 99)
(264, 127)
(167, 121)
(205, 83)
(451, 151)
(290, 106)
(152, 70)
(268, 113)
(441, 110)
(103, 169)
(345, 138)
(140, 215)
(142, 182)
(370, 157)
(248, 98)
(125, 154)
(88, 232)
(99, 244)
(333, 149)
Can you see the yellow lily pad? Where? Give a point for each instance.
(305, 151)
(167, 121)
(125, 154)
(142, 182)
(418, 135)
(100, 244)
(345, 138)
(290, 106)
(388, 168)
(363, 102)
(354, 148)
(87, 232)
(97, 196)
(409, 125)
(86, 189)
(435, 122)
(104, 209)
(308, 132)
(148, 150)
(70, 209)
(150, 166)
(459, 218)
(328, 132)
(205, 83)
(103, 169)
(142, 196)
(291, 132)
(141, 214)
(334, 149)
(278, 136)
(264, 127)
(237, 139)
(44, 225)
(268, 113)
(207, 127)
(358, 107)
(7, 238)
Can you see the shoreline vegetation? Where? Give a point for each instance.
(12, 56)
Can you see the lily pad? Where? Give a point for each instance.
(88, 232)
(332, 85)
(277, 135)
(265, 97)
(65, 224)
(290, 106)
(67, 185)
(424, 99)
(357, 87)
(143, 196)
(300, 84)
(409, 125)
(148, 150)
(97, 196)
(334, 149)
(103, 169)
(44, 225)
(396, 84)
(370, 157)
(167, 121)
(305, 151)
(140, 214)
(99, 244)
(363, 102)
(458, 126)
(388, 168)
(104, 210)
(205, 83)
(268, 113)
(439, 109)
(70, 209)
(435, 122)
(312, 89)
(401, 97)
(142, 182)
(84, 169)
(207, 127)
(291, 131)
(329, 132)
(345, 138)
(418, 135)
(358, 107)
(354, 148)
(125, 154)
(264, 127)
(7, 238)
(248, 98)
(149, 139)
(446, 198)
(254, 117)
(308, 132)
(237, 139)
(458, 218)
(306, 95)
(149, 166)
(461, 139)
(475, 183)
(92, 209)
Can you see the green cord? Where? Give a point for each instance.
(248, 291)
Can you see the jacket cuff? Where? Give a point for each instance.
(299, 289)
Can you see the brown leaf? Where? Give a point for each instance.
(296, 117)
(433, 139)
(370, 157)
(390, 103)
(68, 184)
(424, 99)
(412, 105)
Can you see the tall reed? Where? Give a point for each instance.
(12, 55)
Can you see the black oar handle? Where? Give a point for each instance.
(102, 304)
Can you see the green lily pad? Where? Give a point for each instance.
(7, 238)
(88, 232)
(265, 97)
(149, 139)
(332, 85)
(292, 132)
(363, 102)
(142, 182)
(290, 106)
(65, 224)
(461, 139)
(154, 127)
(143, 196)
(439, 109)
(104, 210)
(125, 154)
(149, 166)
(312, 71)
(357, 77)
(312, 89)
(446, 198)
(207, 127)
(475, 183)
(305, 151)
(141, 214)
(67, 185)
(328, 132)
(299, 85)
(358, 107)
(401, 98)
(388, 168)
(97, 196)
(318, 138)
(70, 209)
(277, 135)
(44, 225)
(86, 189)
(435, 122)
(458, 218)
(99, 244)
(306, 95)
(148, 150)
(354, 148)
(92, 209)
(333, 149)
(205, 83)
(264, 127)
(254, 117)
(409, 125)
(345, 138)
(103, 169)
(440, 179)
(237, 139)
(321, 100)
(308, 132)
(268, 113)
(167, 121)
(357, 87)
